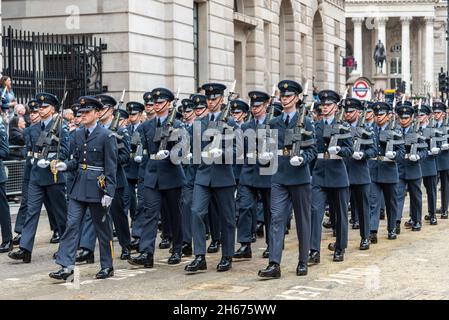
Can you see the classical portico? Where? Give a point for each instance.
(410, 30)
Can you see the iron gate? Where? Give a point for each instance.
(42, 62)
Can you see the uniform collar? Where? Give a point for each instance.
(291, 114)
(107, 125)
(161, 118)
(91, 129)
(46, 122)
(261, 119)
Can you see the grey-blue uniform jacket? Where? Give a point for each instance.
(44, 176)
(250, 173)
(132, 167)
(428, 164)
(411, 170)
(124, 149)
(160, 174)
(443, 156)
(214, 175)
(287, 174)
(385, 171)
(358, 170)
(99, 150)
(331, 173)
(27, 167)
(4, 152)
(190, 169)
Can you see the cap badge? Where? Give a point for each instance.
(285, 85)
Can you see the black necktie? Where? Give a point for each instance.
(287, 120)
(132, 130)
(158, 122)
(212, 117)
(87, 133)
(42, 126)
(257, 123)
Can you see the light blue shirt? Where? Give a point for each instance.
(291, 114)
(261, 120)
(162, 119)
(328, 121)
(91, 129)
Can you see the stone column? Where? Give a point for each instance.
(358, 51)
(406, 52)
(429, 72)
(382, 36)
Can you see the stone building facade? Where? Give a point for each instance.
(414, 35)
(184, 43)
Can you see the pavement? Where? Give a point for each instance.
(415, 266)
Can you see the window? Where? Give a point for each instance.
(395, 66)
(337, 28)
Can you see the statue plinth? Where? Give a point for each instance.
(380, 81)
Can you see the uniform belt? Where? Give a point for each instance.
(84, 166)
(251, 155)
(206, 154)
(145, 152)
(38, 155)
(30, 154)
(382, 158)
(328, 156)
(286, 152)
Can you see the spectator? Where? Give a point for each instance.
(16, 139)
(68, 115)
(7, 95)
(21, 111)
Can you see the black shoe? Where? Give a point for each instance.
(416, 226)
(433, 220)
(134, 245)
(408, 224)
(392, 235)
(55, 237)
(331, 246)
(207, 236)
(439, 211)
(356, 225)
(351, 221)
(105, 273)
(259, 230)
(126, 254)
(16, 240)
(244, 252)
(6, 246)
(398, 227)
(20, 254)
(272, 271)
(427, 217)
(198, 264)
(214, 246)
(444, 215)
(62, 274)
(144, 259)
(85, 256)
(253, 238)
(55, 255)
(225, 264)
(364, 244)
(373, 237)
(382, 214)
(159, 225)
(314, 257)
(266, 253)
(301, 269)
(339, 255)
(186, 250)
(165, 243)
(175, 258)
(286, 231)
(327, 224)
(334, 233)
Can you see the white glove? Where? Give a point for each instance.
(357, 155)
(435, 150)
(414, 157)
(163, 154)
(296, 161)
(138, 159)
(61, 166)
(106, 201)
(42, 163)
(216, 153)
(189, 156)
(266, 156)
(32, 161)
(390, 154)
(445, 146)
(334, 150)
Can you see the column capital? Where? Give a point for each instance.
(358, 20)
(429, 20)
(381, 20)
(406, 20)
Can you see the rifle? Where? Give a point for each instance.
(59, 119)
(339, 130)
(300, 137)
(360, 134)
(136, 145)
(431, 133)
(164, 134)
(222, 124)
(414, 140)
(116, 120)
